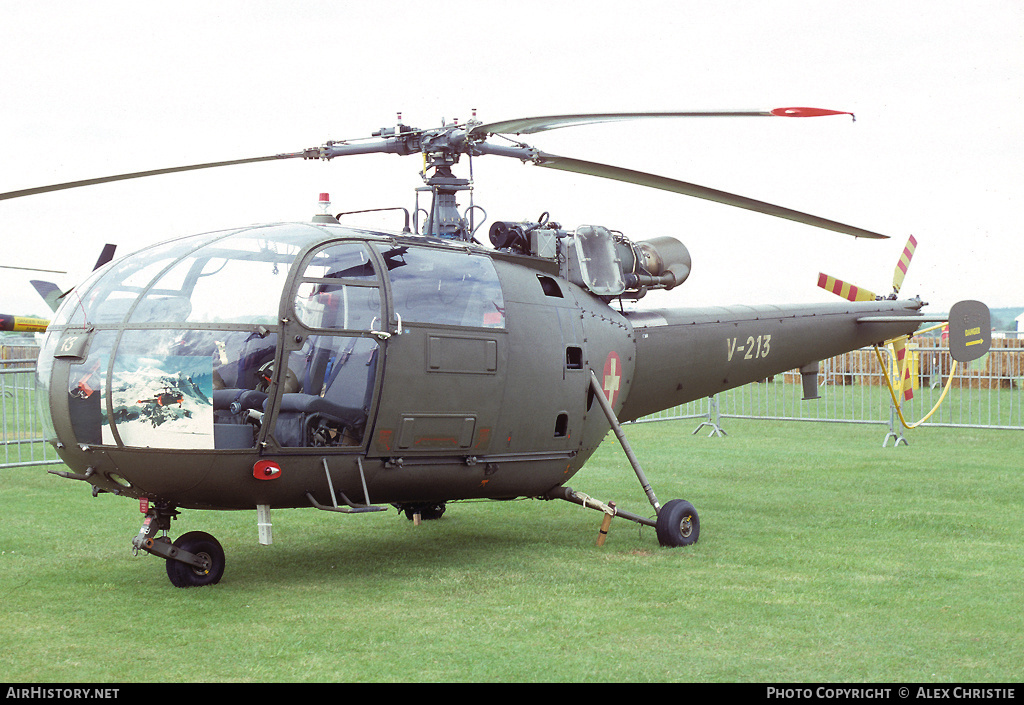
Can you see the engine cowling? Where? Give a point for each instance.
(602, 261)
(667, 259)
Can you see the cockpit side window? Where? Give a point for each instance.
(340, 290)
(442, 286)
(339, 298)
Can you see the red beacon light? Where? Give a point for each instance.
(323, 216)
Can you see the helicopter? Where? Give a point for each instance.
(353, 370)
(167, 397)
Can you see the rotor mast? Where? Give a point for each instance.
(441, 150)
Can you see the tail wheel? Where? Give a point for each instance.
(678, 524)
(200, 544)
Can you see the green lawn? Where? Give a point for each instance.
(822, 557)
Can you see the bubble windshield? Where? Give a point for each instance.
(176, 337)
(226, 277)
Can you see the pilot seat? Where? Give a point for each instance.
(334, 404)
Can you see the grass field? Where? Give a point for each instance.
(823, 557)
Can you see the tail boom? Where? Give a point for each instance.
(687, 354)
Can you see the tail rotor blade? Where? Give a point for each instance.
(845, 290)
(903, 264)
(899, 347)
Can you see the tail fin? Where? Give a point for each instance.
(52, 294)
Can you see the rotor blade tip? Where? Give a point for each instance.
(809, 112)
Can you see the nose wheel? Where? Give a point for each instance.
(194, 560)
(210, 555)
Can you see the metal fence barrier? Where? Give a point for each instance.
(21, 416)
(987, 393)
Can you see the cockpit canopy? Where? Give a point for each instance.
(224, 277)
(174, 346)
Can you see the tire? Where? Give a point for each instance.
(678, 524)
(201, 544)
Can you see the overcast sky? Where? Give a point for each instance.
(91, 89)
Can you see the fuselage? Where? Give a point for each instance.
(377, 368)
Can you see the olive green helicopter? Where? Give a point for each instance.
(351, 370)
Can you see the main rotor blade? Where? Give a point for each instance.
(33, 269)
(141, 174)
(641, 178)
(106, 254)
(527, 126)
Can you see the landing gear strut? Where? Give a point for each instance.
(677, 523)
(195, 559)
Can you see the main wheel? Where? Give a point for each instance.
(202, 544)
(678, 524)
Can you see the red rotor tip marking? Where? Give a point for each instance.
(809, 112)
